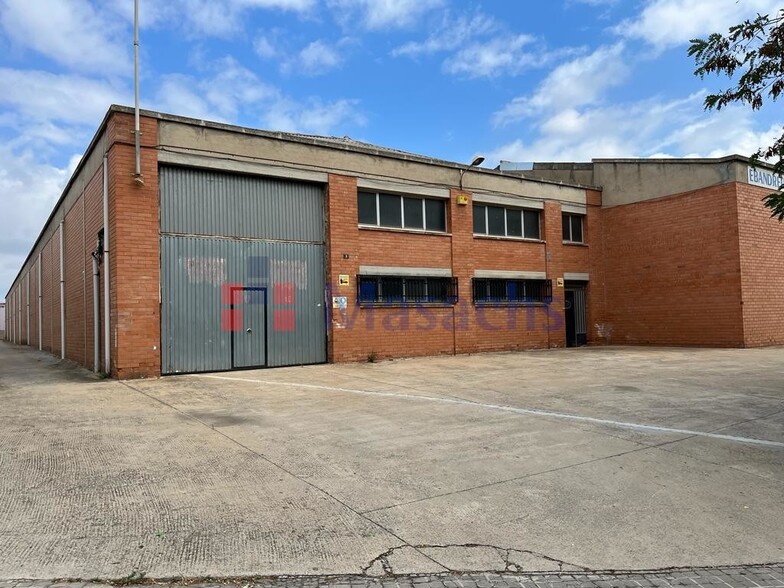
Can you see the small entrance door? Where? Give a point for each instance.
(574, 310)
(249, 344)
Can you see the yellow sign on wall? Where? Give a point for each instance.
(343, 280)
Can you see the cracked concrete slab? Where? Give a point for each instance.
(404, 559)
(642, 508)
(193, 476)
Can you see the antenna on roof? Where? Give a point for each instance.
(137, 176)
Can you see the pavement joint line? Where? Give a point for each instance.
(513, 409)
(759, 418)
(675, 451)
(283, 469)
(523, 477)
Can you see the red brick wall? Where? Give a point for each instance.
(762, 269)
(357, 333)
(47, 298)
(93, 222)
(672, 270)
(594, 255)
(134, 250)
(134, 261)
(55, 313)
(80, 227)
(74, 283)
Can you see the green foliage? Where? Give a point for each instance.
(752, 55)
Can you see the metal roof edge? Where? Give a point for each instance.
(706, 160)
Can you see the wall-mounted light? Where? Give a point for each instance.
(478, 160)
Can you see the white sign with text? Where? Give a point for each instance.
(765, 178)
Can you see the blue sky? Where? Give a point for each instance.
(564, 80)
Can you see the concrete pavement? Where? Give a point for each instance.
(561, 461)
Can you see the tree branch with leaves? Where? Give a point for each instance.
(751, 54)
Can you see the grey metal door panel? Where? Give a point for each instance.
(250, 340)
(204, 202)
(193, 337)
(221, 231)
(197, 322)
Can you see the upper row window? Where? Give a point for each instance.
(506, 222)
(572, 225)
(401, 212)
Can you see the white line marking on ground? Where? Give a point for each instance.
(513, 409)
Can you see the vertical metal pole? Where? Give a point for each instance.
(40, 313)
(28, 307)
(62, 290)
(106, 290)
(96, 317)
(136, 86)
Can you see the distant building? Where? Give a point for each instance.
(244, 248)
(2, 320)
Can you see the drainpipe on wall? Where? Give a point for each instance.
(106, 313)
(40, 314)
(62, 290)
(96, 315)
(28, 307)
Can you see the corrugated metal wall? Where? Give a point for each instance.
(198, 202)
(230, 245)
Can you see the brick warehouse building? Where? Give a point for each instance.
(245, 248)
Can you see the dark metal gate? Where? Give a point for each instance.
(575, 319)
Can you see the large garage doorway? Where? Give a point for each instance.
(242, 271)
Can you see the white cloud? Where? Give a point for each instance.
(232, 92)
(480, 46)
(228, 91)
(645, 128)
(264, 48)
(733, 130)
(450, 35)
(293, 5)
(636, 129)
(317, 58)
(379, 14)
(28, 191)
(71, 32)
(41, 96)
(220, 18)
(501, 55)
(666, 23)
(583, 80)
(313, 116)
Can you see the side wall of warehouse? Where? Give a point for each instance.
(762, 268)
(34, 300)
(672, 270)
(63, 325)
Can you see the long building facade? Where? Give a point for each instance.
(239, 248)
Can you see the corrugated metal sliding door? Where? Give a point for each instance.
(242, 271)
